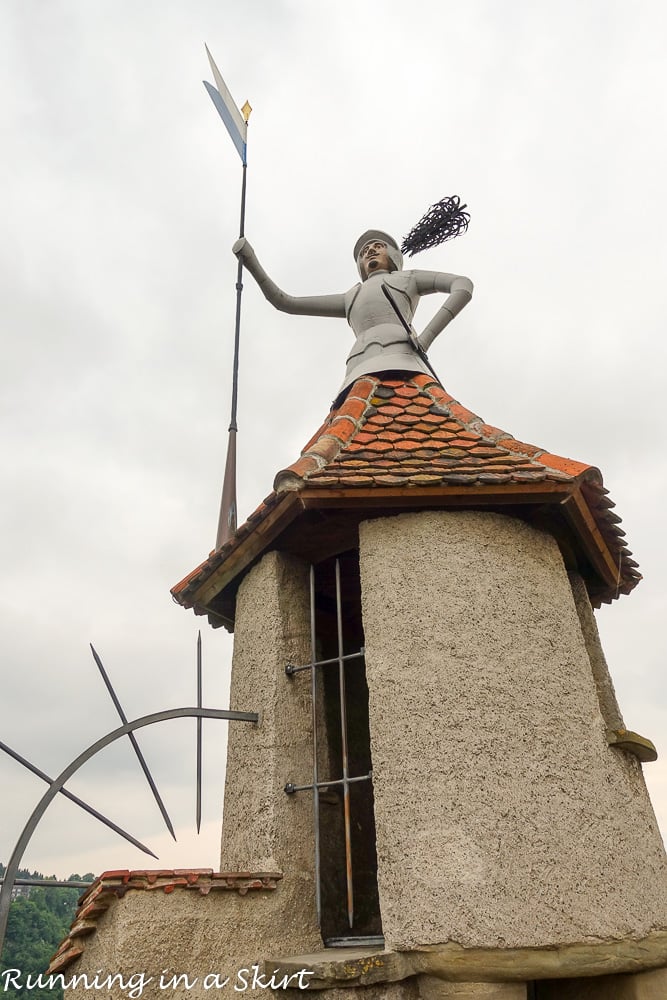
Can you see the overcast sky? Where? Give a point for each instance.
(120, 199)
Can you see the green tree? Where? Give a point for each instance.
(37, 924)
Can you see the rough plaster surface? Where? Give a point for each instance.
(185, 932)
(431, 988)
(611, 713)
(263, 828)
(503, 817)
(643, 986)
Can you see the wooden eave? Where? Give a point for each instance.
(291, 523)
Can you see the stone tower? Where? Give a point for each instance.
(441, 798)
(481, 815)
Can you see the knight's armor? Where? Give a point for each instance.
(382, 342)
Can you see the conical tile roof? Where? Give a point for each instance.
(404, 443)
(393, 432)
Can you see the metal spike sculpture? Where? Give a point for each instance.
(57, 785)
(77, 801)
(135, 746)
(443, 221)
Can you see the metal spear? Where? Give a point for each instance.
(236, 123)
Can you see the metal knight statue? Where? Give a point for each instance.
(379, 309)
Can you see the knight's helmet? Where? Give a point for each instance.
(370, 236)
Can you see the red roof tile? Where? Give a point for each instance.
(400, 419)
(409, 433)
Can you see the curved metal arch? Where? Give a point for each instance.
(57, 783)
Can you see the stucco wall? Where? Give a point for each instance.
(263, 828)
(185, 933)
(503, 817)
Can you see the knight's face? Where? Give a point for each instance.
(374, 257)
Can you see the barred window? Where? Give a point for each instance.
(345, 852)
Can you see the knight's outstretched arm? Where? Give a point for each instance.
(304, 305)
(460, 293)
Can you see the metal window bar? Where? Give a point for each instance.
(346, 780)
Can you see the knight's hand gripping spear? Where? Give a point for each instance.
(379, 309)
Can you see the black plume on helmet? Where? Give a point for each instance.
(443, 221)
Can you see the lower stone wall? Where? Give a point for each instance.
(642, 986)
(147, 927)
(435, 989)
(196, 933)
